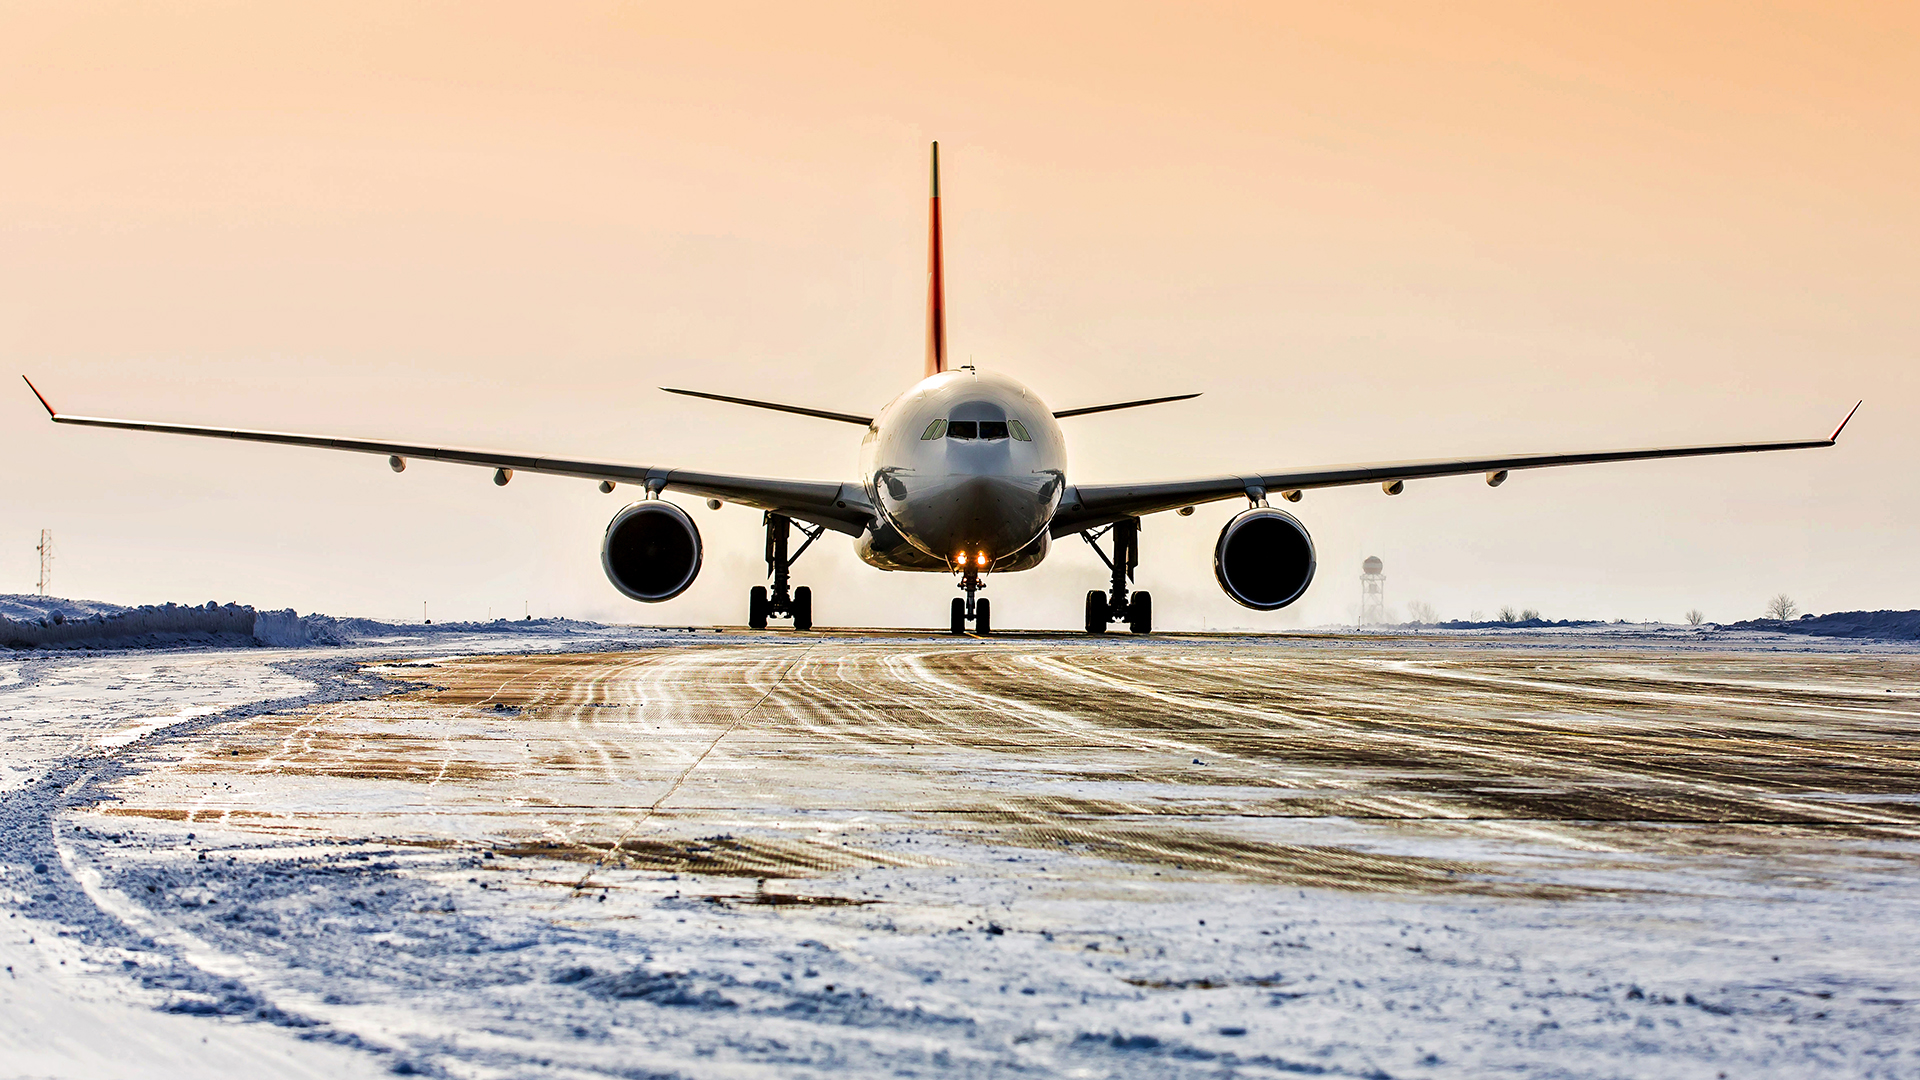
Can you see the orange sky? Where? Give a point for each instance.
(1365, 232)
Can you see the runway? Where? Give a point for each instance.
(1234, 761)
(891, 854)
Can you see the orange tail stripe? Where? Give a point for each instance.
(936, 279)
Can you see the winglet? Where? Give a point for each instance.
(1835, 437)
(51, 415)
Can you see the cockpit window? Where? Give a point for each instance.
(978, 429)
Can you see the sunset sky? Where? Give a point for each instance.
(1363, 231)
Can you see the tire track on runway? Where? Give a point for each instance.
(688, 771)
(1494, 753)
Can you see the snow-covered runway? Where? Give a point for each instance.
(903, 855)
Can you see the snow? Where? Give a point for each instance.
(30, 622)
(1886, 625)
(28, 608)
(482, 857)
(167, 624)
(1857, 625)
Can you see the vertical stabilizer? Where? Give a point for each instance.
(936, 279)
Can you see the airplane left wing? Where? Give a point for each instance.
(841, 507)
(1087, 506)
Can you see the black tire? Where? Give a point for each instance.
(1097, 612)
(983, 617)
(1140, 613)
(803, 608)
(959, 621)
(757, 608)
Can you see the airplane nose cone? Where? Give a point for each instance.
(994, 510)
(994, 515)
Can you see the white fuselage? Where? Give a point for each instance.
(964, 464)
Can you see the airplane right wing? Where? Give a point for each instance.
(838, 506)
(1087, 506)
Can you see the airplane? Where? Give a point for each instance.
(963, 474)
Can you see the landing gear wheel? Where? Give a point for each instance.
(983, 617)
(1140, 613)
(1097, 612)
(757, 608)
(803, 608)
(959, 624)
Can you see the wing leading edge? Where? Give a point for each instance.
(1089, 410)
(1087, 506)
(841, 507)
(822, 414)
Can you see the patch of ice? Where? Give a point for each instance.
(146, 725)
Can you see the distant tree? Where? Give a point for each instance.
(1782, 607)
(1422, 612)
(1529, 614)
(1695, 616)
(1507, 614)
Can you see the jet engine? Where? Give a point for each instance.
(1264, 559)
(651, 551)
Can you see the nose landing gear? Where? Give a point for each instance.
(1116, 605)
(978, 611)
(780, 602)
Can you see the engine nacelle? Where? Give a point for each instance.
(1264, 559)
(651, 551)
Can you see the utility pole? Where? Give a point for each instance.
(46, 559)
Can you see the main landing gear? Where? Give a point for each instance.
(798, 603)
(1115, 605)
(977, 611)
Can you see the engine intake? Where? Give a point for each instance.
(651, 551)
(1264, 559)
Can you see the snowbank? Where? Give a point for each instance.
(289, 628)
(1516, 624)
(37, 622)
(1886, 625)
(29, 607)
(136, 627)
